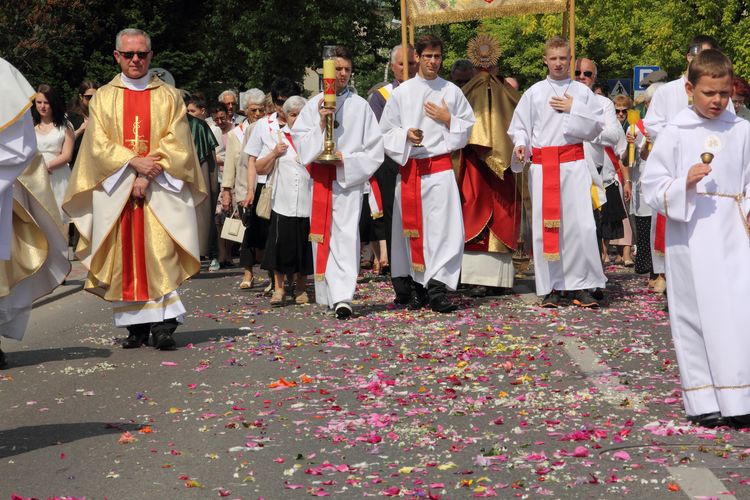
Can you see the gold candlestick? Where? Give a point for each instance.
(329, 101)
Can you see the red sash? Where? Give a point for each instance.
(615, 161)
(411, 201)
(376, 200)
(641, 126)
(660, 236)
(136, 131)
(550, 159)
(323, 175)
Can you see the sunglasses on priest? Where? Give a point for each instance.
(130, 55)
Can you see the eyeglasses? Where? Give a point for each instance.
(587, 74)
(129, 55)
(256, 111)
(621, 111)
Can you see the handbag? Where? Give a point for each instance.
(263, 205)
(233, 229)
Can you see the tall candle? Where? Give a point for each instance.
(329, 82)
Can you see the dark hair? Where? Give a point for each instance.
(216, 107)
(741, 87)
(701, 40)
(56, 103)
(195, 101)
(599, 84)
(284, 87)
(343, 53)
(75, 103)
(711, 63)
(428, 41)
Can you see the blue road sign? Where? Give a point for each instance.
(641, 72)
(620, 86)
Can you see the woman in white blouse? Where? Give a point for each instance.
(288, 251)
(55, 139)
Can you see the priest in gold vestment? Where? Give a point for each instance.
(33, 246)
(132, 196)
(490, 207)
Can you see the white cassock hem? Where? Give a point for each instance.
(487, 269)
(153, 311)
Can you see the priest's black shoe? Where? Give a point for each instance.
(418, 301)
(479, 291)
(137, 336)
(402, 299)
(3, 360)
(442, 304)
(710, 420)
(736, 421)
(162, 333)
(551, 300)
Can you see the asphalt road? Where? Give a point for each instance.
(499, 399)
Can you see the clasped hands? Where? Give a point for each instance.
(148, 168)
(562, 104)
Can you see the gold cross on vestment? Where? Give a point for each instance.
(138, 144)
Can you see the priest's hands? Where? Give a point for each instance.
(147, 166)
(438, 113)
(562, 104)
(696, 173)
(139, 187)
(520, 153)
(414, 135)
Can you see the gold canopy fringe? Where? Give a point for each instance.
(551, 256)
(315, 238)
(455, 16)
(552, 224)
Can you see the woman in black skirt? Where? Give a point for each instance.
(287, 249)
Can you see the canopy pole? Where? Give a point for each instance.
(404, 52)
(572, 35)
(411, 34)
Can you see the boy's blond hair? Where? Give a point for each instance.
(556, 42)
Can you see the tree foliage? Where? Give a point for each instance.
(218, 44)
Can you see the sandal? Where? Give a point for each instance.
(628, 263)
(301, 297)
(247, 283)
(277, 299)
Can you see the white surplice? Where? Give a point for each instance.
(442, 219)
(707, 256)
(536, 124)
(359, 140)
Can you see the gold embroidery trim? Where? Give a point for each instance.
(717, 387)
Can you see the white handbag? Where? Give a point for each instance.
(233, 229)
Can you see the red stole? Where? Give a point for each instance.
(550, 158)
(323, 175)
(615, 161)
(660, 235)
(487, 203)
(411, 201)
(376, 200)
(136, 131)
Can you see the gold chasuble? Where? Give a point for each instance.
(136, 250)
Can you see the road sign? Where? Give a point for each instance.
(641, 72)
(619, 86)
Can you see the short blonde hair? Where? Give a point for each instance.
(556, 42)
(622, 100)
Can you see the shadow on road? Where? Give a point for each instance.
(33, 437)
(39, 356)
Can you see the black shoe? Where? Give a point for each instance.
(343, 310)
(3, 360)
(385, 270)
(598, 294)
(710, 420)
(479, 291)
(402, 299)
(137, 336)
(551, 300)
(442, 304)
(739, 421)
(418, 301)
(162, 333)
(583, 298)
